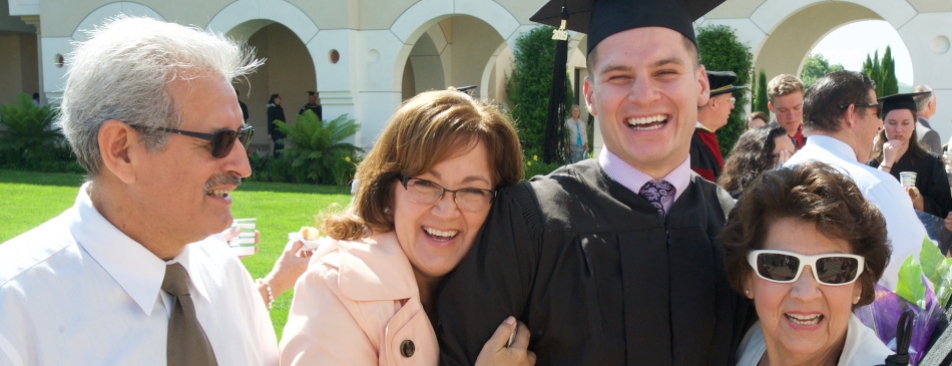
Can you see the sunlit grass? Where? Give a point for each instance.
(29, 199)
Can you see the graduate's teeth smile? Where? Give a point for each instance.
(648, 123)
(804, 319)
(440, 235)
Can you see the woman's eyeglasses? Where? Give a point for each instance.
(785, 267)
(222, 140)
(425, 192)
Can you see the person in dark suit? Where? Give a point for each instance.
(612, 260)
(244, 107)
(706, 158)
(312, 106)
(275, 113)
(928, 137)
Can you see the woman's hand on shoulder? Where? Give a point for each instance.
(498, 351)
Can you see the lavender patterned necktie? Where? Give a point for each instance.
(654, 191)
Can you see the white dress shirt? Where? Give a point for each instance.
(76, 290)
(633, 179)
(903, 227)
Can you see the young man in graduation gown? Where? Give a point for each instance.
(611, 261)
(706, 159)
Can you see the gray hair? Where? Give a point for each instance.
(923, 101)
(122, 71)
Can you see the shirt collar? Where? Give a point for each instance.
(838, 148)
(633, 179)
(139, 272)
(703, 127)
(924, 121)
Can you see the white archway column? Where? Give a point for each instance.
(927, 37)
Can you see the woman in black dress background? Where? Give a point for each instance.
(897, 150)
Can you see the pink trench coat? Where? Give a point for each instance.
(358, 304)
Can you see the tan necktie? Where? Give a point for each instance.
(187, 344)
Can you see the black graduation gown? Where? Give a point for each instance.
(597, 276)
(931, 180)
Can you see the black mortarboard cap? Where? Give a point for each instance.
(603, 18)
(723, 82)
(900, 101)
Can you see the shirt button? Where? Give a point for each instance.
(407, 348)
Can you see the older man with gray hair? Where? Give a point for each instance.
(151, 114)
(925, 104)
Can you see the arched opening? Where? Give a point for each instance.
(789, 44)
(849, 44)
(288, 71)
(453, 51)
(424, 68)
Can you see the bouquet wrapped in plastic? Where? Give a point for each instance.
(924, 287)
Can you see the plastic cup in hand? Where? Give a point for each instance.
(244, 244)
(907, 179)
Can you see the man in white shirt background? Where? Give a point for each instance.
(151, 114)
(841, 116)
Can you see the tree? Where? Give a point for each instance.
(816, 67)
(882, 71)
(529, 85)
(889, 81)
(760, 94)
(720, 50)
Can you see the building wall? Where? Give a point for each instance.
(374, 40)
(18, 66)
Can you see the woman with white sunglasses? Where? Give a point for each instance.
(807, 248)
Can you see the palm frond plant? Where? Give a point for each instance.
(317, 149)
(28, 137)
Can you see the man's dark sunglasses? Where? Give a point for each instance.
(222, 140)
(878, 106)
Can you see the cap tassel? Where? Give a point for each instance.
(554, 146)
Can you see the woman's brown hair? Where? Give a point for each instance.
(429, 128)
(816, 193)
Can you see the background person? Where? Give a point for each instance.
(368, 295)
(706, 158)
(756, 151)
(757, 119)
(577, 136)
(807, 248)
(312, 106)
(785, 94)
(925, 105)
(897, 150)
(276, 113)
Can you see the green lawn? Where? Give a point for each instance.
(30, 199)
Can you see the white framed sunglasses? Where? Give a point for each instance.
(834, 269)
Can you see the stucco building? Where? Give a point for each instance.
(365, 57)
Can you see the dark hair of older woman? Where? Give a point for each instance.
(423, 192)
(826, 248)
(756, 151)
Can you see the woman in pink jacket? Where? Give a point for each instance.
(424, 191)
